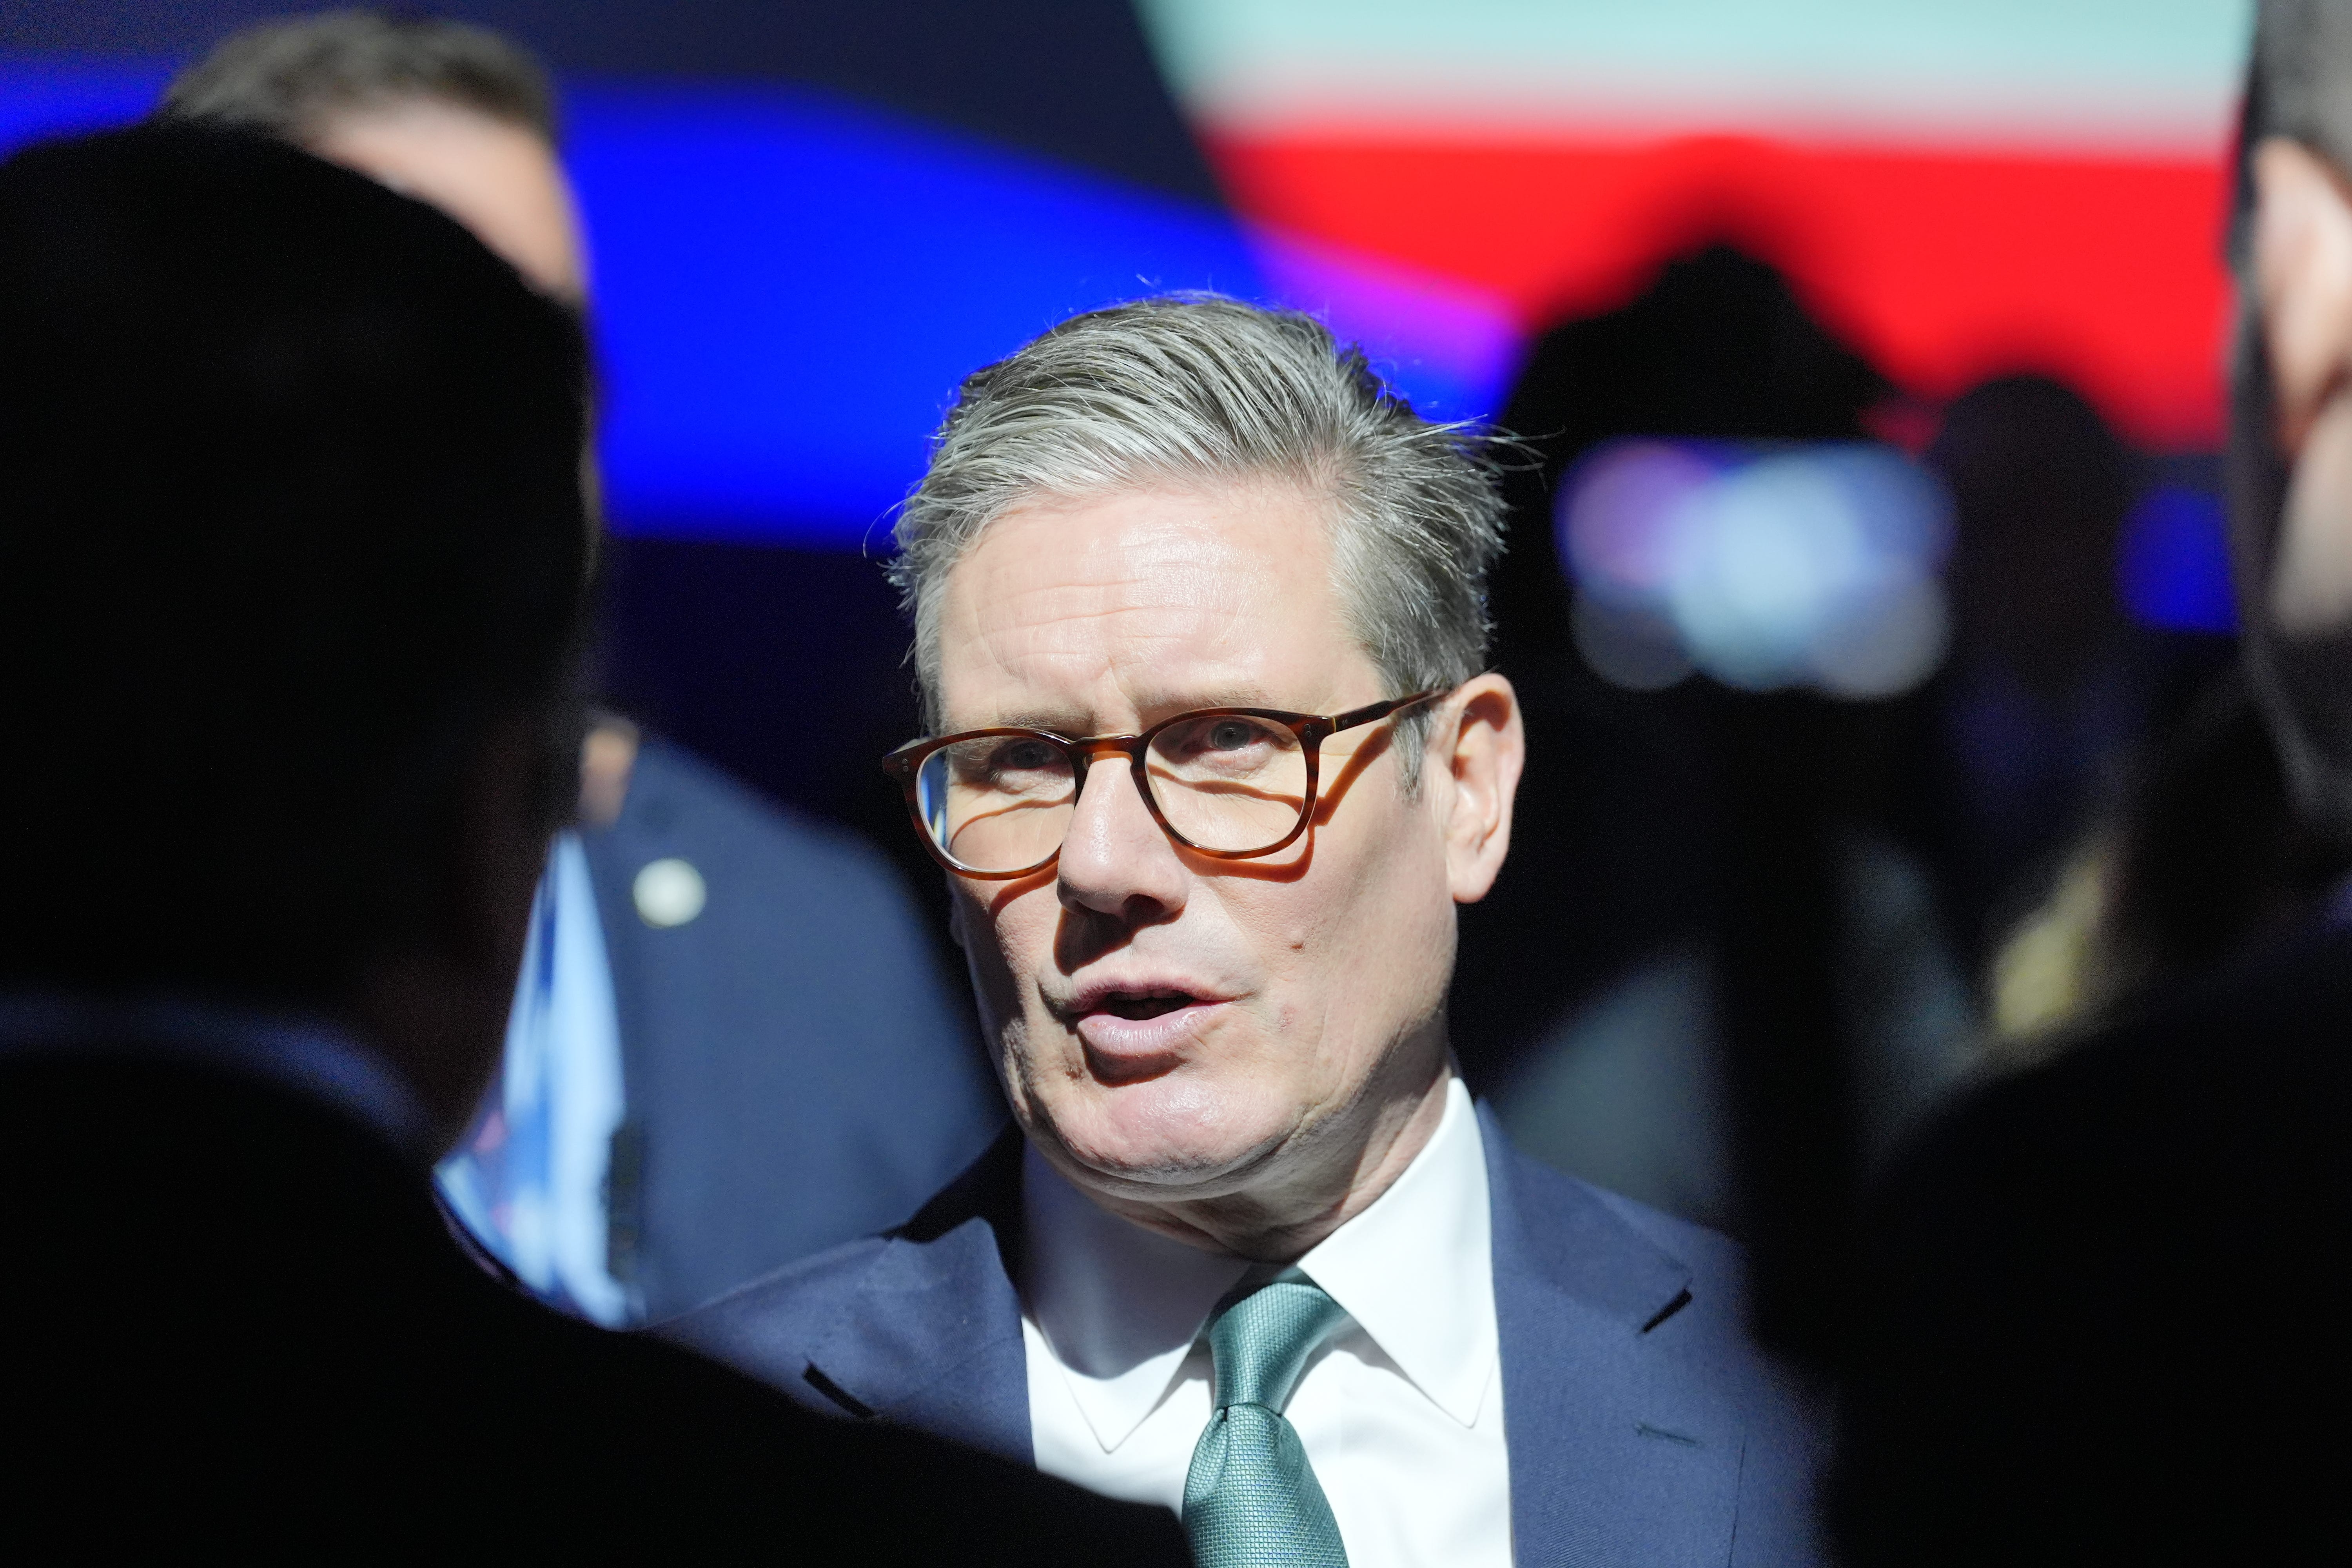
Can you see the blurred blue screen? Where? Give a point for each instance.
(789, 289)
(789, 285)
(59, 99)
(2174, 561)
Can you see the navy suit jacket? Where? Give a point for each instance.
(1645, 1428)
(797, 1069)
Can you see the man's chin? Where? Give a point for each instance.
(1166, 1138)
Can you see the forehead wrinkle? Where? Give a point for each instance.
(1094, 627)
(1060, 670)
(1140, 615)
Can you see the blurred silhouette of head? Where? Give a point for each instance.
(2290, 403)
(289, 592)
(2040, 486)
(1718, 346)
(451, 114)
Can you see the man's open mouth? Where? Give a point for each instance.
(1144, 1005)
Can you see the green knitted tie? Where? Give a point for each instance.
(1251, 1500)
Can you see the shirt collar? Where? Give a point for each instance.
(1416, 1269)
(1121, 1306)
(305, 1055)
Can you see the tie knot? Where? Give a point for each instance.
(1259, 1342)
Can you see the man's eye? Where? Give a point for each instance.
(1230, 735)
(1220, 741)
(1023, 756)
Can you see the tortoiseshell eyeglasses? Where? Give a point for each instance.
(1232, 782)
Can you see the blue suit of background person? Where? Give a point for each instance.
(1643, 1425)
(731, 1048)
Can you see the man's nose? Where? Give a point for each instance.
(1114, 859)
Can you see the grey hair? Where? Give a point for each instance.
(287, 77)
(1201, 391)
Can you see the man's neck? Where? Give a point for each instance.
(1323, 1188)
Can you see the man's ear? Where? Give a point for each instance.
(2303, 278)
(1481, 746)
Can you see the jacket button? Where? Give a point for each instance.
(669, 892)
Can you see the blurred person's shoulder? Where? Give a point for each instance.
(2236, 1086)
(2100, 1298)
(731, 1457)
(256, 1329)
(707, 1454)
(2171, 1197)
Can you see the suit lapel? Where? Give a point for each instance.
(930, 1339)
(1619, 1451)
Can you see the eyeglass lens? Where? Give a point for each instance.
(1224, 782)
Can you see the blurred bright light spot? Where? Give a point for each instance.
(2174, 562)
(1628, 646)
(1620, 551)
(1763, 566)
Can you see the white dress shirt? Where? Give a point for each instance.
(1402, 1414)
(530, 1180)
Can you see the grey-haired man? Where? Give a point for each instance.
(1199, 624)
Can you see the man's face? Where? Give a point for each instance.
(2291, 459)
(498, 179)
(1172, 1026)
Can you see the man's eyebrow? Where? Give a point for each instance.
(1038, 719)
(1063, 722)
(1068, 722)
(1228, 696)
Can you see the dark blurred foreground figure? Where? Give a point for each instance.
(2107, 1297)
(290, 593)
(731, 1046)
